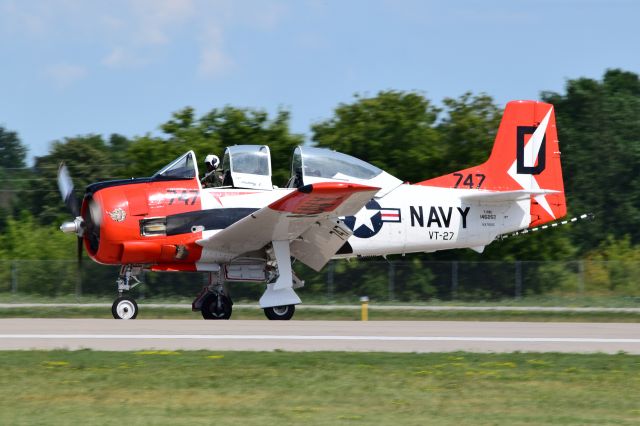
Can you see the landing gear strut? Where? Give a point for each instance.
(279, 299)
(125, 307)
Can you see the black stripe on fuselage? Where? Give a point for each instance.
(211, 219)
(95, 187)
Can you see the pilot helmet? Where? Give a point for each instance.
(212, 160)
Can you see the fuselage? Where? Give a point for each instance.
(158, 223)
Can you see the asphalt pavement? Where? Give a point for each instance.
(264, 335)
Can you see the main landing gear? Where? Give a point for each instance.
(214, 302)
(125, 307)
(279, 299)
(283, 313)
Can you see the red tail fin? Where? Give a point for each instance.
(525, 155)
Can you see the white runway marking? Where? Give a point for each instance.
(302, 337)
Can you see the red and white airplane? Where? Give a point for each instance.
(334, 206)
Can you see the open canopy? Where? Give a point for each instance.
(312, 165)
(247, 166)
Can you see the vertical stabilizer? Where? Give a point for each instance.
(525, 156)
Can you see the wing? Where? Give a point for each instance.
(308, 214)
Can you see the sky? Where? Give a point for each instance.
(75, 67)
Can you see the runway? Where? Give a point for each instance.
(383, 336)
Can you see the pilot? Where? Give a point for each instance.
(211, 177)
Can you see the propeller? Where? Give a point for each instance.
(65, 185)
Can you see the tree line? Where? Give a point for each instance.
(402, 132)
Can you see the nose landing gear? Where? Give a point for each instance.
(125, 307)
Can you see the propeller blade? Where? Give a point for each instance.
(79, 250)
(96, 212)
(65, 185)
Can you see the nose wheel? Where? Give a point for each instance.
(124, 308)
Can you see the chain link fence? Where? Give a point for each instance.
(343, 281)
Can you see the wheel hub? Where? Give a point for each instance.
(280, 310)
(125, 309)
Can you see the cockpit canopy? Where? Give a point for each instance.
(312, 165)
(247, 166)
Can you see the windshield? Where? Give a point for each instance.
(324, 163)
(181, 168)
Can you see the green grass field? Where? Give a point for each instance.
(243, 388)
(337, 314)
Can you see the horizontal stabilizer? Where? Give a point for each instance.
(501, 196)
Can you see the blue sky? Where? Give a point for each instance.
(74, 67)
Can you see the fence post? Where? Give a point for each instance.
(14, 277)
(518, 293)
(454, 279)
(392, 281)
(330, 282)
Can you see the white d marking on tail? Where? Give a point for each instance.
(531, 152)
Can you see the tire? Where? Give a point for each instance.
(280, 313)
(125, 308)
(210, 309)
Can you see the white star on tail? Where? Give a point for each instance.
(363, 217)
(531, 151)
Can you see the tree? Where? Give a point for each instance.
(393, 130)
(13, 174)
(12, 152)
(599, 134)
(211, 133)
(88, 158)
(467, 131)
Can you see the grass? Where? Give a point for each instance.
(321, 388)
(337, 314)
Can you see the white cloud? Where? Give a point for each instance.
(155, 19)
(16, 17)
(214, 62)
(266, 15)
(138, 33)
(121, 57)
(64, 75)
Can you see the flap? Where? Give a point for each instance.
(317, 245)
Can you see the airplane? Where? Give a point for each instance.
(333, 206)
